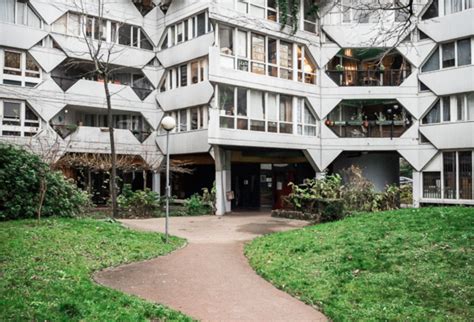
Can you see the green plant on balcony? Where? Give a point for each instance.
(339, 68)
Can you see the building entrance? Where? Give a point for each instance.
(265, 185)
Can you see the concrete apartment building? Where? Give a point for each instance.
(257, 105)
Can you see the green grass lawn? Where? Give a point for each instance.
(411, 264)
(46, 270)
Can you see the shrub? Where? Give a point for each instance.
(406, 194)
(22, 174)
(209, 197)
(195, 205)
(140, 203)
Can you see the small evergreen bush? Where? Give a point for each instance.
(140, 203)
(21, 176)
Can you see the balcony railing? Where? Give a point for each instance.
(388, 77)
(371, 129)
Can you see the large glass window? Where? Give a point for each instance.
(461, 105)
(432, 63)
(258, 54)
(257, 110)
(19, 12)
(178, 76)
(286, 60)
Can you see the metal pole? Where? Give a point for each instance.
(167, 189)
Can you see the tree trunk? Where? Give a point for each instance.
(113, 172)
(144, 179)
(42, 195)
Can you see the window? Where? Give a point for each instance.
(226, 40)
(185, 30)
(257, 110)
(432, 185)
(447, 57)
(190, 119)
(309, 120)
(183, 120)
(17, 119)
(464, 52)
(286, 60)
(449, 172)
(309, 14)
(19, 12)
(465, 175)
(286, 114)
(178, 76)
(432, 11)
(433, 115)
(258, 54)
(452, 6)
(183, 75)
(432, 63)
(19, 68)
(74, 24)
(268, 56)
(458, 107)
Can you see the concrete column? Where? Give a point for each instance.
(223, 180)
(417, 190)
(319, 175)
(156, 182)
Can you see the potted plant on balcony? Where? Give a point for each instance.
(400, 119)
(356, 119)
(339, 68)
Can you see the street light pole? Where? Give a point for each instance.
(168, 192)
(168, 123)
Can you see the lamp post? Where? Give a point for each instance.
(168, 124)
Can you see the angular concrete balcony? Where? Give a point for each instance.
(452, 135)
(182, 97)
(186, 51)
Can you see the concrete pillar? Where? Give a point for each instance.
(156, 182)
(223, 180)
(417, 190)
(319, 175)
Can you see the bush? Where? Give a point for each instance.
(195, 206)
(140, 203)
(22, 174)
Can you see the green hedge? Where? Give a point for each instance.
(21, 174)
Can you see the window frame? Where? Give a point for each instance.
(22, 79)
(20, 128)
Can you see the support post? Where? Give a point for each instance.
(156, 182)
(223, 180)
(416, 188)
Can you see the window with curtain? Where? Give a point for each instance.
(7, 11)
(433, 115)
(286, 114)
(446, 108)
(448, 55)
(464, 52)
(452, 6)
(286, 60)
(309, 121)
(257, 110)
(226, 99)
(432, 63)
(258, 54)
(272, 112)
(241, 101)
(183, 120)
(470, 106)
(460, 107)
(226, 40)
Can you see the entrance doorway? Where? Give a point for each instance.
(265, 185)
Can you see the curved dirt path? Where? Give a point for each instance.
(210, 279)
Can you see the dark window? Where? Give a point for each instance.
(124, 35)
(184, 75)
(449, 171)
(464, 52)
(144, 42)
(201, 24)
(241, 101)
(432, 185)
(448, 55)
(465, 175)
(446, 109)
(432, 11)
(423, 87)
(432, 63)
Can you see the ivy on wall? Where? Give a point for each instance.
(289, 12)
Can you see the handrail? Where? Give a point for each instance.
(369, 77)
